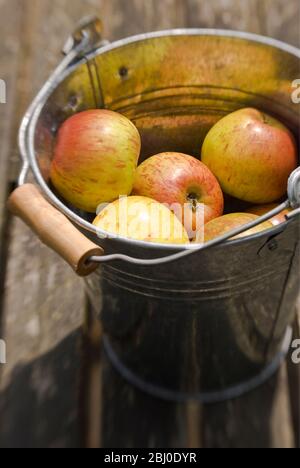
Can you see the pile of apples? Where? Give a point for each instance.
(173, 197)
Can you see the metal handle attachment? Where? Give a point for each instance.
(86, 36)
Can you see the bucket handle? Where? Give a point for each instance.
(54, 228)
(57, 232)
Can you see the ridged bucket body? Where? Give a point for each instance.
(215, 320)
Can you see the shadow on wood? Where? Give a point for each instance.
(119, 415)
(35, 410)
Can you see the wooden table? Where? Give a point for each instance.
(55, 389)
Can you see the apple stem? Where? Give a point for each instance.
(193, 199)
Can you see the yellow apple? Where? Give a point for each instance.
(260, 210)
(225, 223)
(141, 218)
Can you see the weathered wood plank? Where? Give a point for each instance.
(44, 301)
(39, 407)
(260, 419)
(281, 20)
(9, 60)
(231, 14)
(43, 308)
(123, 19)
(129, 418)
(275, 18)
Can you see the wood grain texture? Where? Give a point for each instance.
(44, 301)
(261, 419)
(281, 20)
(9, 62)
(131, 419)
(230, 14)
(43, 308)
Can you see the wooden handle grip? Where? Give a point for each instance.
(53, 228)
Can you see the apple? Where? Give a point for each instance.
(141, 218)
(260, 210)
(252, 155)
(225, 223)
(95, 158)
(184, 184)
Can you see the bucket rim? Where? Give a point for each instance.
(228, 33)
(81, 222)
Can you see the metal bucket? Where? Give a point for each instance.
(212, 324)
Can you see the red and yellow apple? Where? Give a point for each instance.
(141, 218)
(252, 155)
(225, 223)
(260, 210)
(95, 158)
(184, 184)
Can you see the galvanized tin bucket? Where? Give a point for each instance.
(210, 323)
